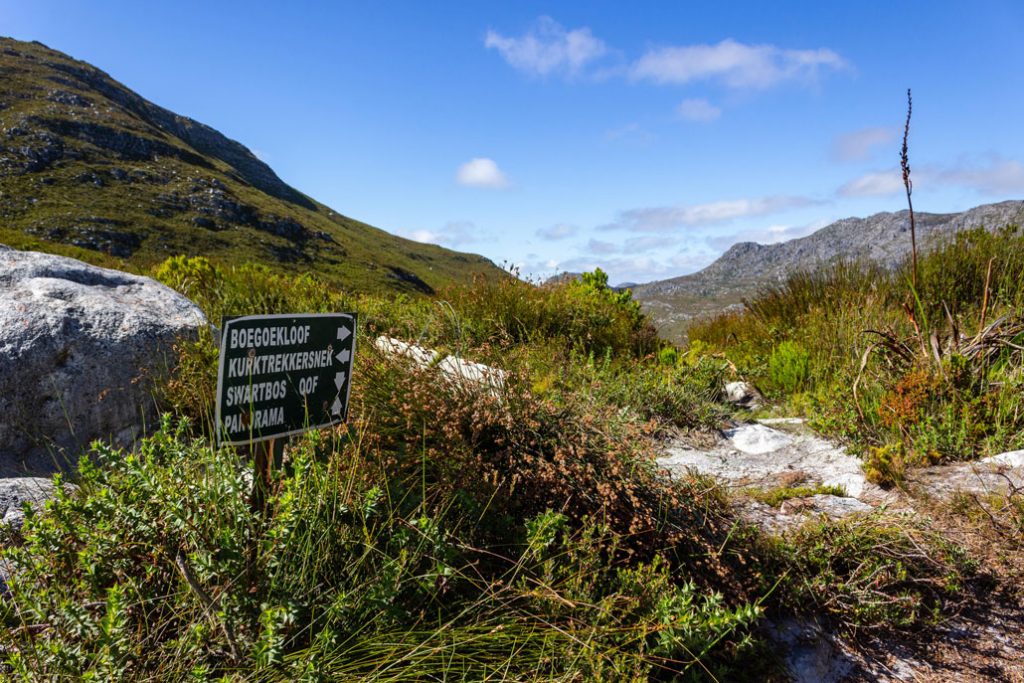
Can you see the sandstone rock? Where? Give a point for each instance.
(78, 348)
(1007, 459)
(757, 439)
(452, 367)
(742, 394)
(754, 454)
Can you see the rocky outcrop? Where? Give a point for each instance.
(79, 348)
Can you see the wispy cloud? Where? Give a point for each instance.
(698, 109)
(861, 144)
(661, 219)
(426, 236)
(997, 176)
(548, 48)
(734, 64)
(631, 132)
(640, 268)
(453, 234)
(874, 184)
(635, 245)
(773, 234)
(481, 172)
(994, 176)
(559, 231)
(601, 247)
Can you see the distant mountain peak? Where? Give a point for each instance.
(883, 238)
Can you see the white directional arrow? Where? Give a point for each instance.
(344, 356)
(343, 333)
(336, 408)
(339, 379)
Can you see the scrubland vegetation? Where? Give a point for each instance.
(452, 532)
(907, 376)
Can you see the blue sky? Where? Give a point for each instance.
(644, 138)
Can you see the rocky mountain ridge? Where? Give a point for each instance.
(883, 238)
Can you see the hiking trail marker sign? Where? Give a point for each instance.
(283, 374)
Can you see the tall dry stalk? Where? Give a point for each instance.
(905, 165)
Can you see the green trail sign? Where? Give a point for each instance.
(283, 374)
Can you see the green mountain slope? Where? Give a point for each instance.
(90, 169)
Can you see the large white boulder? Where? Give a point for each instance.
(79, 346)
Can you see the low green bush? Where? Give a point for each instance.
(789, 367)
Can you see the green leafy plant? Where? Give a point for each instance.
(789, 367)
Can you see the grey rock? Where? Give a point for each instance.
(742, 394)
(1000, 475)
(758, 455)
(1007, 459)
(16, 491)
(794, 512)
(79, 347)
(811, 653)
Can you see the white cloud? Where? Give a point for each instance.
(453, 234)
(698, 110)
(859, 145)
(559, 231)
(995, 176)
(659, 219)
(481, 172)
(874, 184)
(641, 268)
(647, 243)
(734, 64)
(548, 48)
(424, 236)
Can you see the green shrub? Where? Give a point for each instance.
(875, 364)
(789, 367)
(777, 496)
(586, 315)
(885, 465)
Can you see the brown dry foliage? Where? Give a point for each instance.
(513, 452)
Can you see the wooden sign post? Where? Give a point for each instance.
(281, 375)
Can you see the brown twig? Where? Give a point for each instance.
(208, 605)
(905, 165)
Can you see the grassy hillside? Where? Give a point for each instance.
(92, 170)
